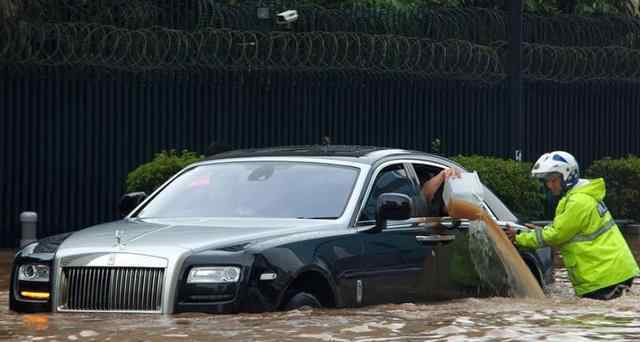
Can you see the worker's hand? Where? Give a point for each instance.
(531, 226)
(511, 234)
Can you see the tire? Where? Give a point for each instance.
(302, 301)
(535, 271)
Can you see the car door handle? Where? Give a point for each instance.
(451, 225)
(447, 222)
(448, 225)
(435, 238)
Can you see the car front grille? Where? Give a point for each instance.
(119, 289)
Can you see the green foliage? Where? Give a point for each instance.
(394, 4)
(541, 7)
(544, 7)
(8, 8)
(149, 176)
(622, 177)
(510, 181)
(622, 7)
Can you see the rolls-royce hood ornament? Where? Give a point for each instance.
(119, 234)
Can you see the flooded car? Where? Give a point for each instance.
(266, 230)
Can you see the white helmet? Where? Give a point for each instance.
(557, 162)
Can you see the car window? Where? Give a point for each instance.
(393, 178)
(497, 207)
(437, 208)
(425, 172)
(256, 189)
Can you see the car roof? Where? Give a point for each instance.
(356, 153)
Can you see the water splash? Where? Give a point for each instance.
(486, 261)
(520, 282)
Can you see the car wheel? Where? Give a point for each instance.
(302, 301)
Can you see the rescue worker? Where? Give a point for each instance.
(596, 255)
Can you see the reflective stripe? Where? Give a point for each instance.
(594, 235)
(539, 237)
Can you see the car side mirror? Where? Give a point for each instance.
(130, 201)
(392, 206)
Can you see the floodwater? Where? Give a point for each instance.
(558, 317)
(485, 231)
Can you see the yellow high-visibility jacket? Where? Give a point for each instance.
(594, 251)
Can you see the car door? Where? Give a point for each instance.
(394, 261)
(455, 262)
(456, 271)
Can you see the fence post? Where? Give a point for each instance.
(515, 79)
(29, 220)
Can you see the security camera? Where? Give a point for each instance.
(287, 17)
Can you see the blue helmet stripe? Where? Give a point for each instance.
(559, 158)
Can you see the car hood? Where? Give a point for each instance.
(154, 235)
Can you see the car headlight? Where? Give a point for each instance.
(33, 272)
(221, 274)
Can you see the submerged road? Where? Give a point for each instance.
(559, 317)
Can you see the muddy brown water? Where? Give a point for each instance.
(558, 317)
(523, 284)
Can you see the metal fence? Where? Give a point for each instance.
(69, 138)
(90, 90)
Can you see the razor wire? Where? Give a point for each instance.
(159, 48)
(156, 48)
(478, 25)
(568, 64)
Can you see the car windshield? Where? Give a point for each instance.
(256, 189)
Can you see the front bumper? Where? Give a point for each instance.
(249, 294)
